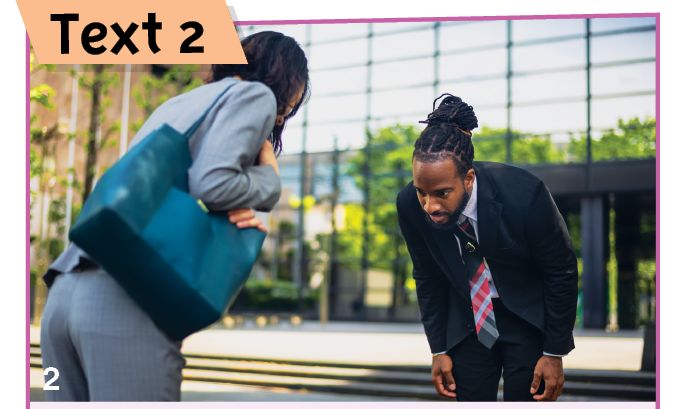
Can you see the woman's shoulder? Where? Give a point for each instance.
(254, 89)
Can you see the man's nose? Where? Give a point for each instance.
(432, 206)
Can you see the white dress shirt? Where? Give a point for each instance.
(471, 212)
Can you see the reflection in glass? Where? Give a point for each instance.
(550, 118)
(623, 78)
(631, 46)
(338, 81)
(331, 32)
(398, 74)
(571, 53)
(337, 108)
(413, 44)
(338, 54)
(479, 94)
(525, 30)
(402, 102)
(463, 35)
(605, 113)
(473, 65)
(542, 87)
(611, 24)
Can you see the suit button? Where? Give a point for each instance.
(470, 327)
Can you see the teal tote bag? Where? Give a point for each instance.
(182, 265)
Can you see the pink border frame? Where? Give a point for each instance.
(382, 20)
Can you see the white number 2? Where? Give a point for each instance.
(47, 386)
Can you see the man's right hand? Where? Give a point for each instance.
(441, 375)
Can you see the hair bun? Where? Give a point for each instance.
(461, 114)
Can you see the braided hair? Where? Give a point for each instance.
(448, 134)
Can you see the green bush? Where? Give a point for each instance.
(33, 277)
(267, 295)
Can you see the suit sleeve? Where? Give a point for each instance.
(237, 133)
(554, 256)
(432, 287)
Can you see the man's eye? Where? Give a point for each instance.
(443, 194)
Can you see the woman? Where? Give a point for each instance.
(104, 346)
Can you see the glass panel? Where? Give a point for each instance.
(320, 138)
(605, 113)
(525, 30)
(610, 24)
(335, 81)
(416, 43)
(471, 65)
(491, 118)
(292, 138)
(402, 102)
(461, 35)
(550, 118)
(479, 94)
(398, 74)
(489, 144)
(380, 28)
(337, 108)
(338, 54)
(529, 88)
(399, 119)
(298, 32)
(624, 78)
(570, 53)
(328, 32)
(623, 47)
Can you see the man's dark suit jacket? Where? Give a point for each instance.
(526, 244)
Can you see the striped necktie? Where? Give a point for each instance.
(482, 307)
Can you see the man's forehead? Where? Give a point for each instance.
(435, 173)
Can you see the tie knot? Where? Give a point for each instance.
(464, 224)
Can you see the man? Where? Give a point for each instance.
(495, 270)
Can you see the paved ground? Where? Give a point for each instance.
(368, 343)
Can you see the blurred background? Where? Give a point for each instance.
(570, 100)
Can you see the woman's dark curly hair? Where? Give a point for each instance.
(448, 134)
(276, 61)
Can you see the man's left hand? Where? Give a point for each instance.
(549, 368)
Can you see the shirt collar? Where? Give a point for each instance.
(471, 208)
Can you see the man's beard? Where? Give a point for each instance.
(453, 217)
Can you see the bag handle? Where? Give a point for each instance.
(196, 124)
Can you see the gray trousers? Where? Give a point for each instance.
(104, 346)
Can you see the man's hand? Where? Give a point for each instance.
(244, 218)
(549, 368)
(441, 375)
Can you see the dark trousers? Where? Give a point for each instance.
(477, 369)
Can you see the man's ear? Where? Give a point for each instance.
(469, 179)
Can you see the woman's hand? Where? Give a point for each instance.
(268, 157)
(245, 218)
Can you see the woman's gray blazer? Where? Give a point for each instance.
(224, 149)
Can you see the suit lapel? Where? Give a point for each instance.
(488, 211)
(449, 247)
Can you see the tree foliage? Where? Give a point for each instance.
(632, 139)
(154, 91)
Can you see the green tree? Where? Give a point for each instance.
(98, 87)
(526, 149)
(389, 165)
(154, 91)
(631, 140)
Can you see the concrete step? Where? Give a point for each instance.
(381, 380)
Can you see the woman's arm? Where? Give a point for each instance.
(235, 137)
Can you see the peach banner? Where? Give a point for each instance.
(131, 32)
